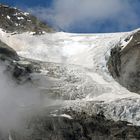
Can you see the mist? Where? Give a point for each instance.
(89, 15)
(17, 102)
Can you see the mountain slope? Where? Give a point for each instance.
(14, 20)
(69, 78)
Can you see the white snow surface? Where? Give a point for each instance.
(89, 51)
(62, 115)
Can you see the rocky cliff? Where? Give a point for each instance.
(124, 62)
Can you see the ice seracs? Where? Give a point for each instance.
(88, 53)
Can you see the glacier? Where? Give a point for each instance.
(76, 71)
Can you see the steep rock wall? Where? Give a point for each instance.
(124, 62)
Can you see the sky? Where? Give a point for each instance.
(84, 16)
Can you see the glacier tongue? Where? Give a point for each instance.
(78, 62)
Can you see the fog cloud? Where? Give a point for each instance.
(18, 102)
(68, 14)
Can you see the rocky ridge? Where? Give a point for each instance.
(14, 20)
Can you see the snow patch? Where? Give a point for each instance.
(62, 115)
(8, 17)
(20, 18)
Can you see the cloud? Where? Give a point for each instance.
(19, 102)
(72, 14)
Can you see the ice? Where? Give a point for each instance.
(19, 18)
(87, 51)
(8, 17)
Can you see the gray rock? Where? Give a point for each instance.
(124, 63)
(81, 127)
(7, 53)
(14, 20)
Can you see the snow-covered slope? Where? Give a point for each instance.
(63, 47)
(80, 74)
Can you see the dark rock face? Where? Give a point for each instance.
(81, 127)
(13, 20)
(124, 64)
(7, 53)
(19, 68)
(115, 62)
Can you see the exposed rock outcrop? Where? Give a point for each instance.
(7, 53)
(124, 63)
(14, 20)
(19, 68)
(80, 127)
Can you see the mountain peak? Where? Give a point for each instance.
(14, 20)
